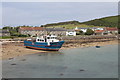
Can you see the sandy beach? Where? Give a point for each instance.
(11, 50)
(14, 49)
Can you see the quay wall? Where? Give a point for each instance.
(74, 39)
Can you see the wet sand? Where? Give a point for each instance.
(13, 49)
(83, 45)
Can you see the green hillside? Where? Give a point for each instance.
(71, 26)
(67, 25)
(111, 21)
(62, 23)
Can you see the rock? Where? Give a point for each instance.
(11, 58)
(5, 79)
(65, 67)
(19, 51)
(13, 64)
(82, 70)
(23, 60)
(61, 74)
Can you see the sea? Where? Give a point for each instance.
(88, 62)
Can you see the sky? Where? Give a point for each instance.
(59, 0)
(40, 13)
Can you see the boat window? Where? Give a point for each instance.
(38, 39)
(53, 37)
(48, 37)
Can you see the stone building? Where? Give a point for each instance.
(56, 31)
(107, 31)
(4, 33)
(111, 30)
(32, 31)
(84, 29)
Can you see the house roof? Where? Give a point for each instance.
(31, 28)
(99, 31)
(55, 29)
(111, 29)
(89, 28)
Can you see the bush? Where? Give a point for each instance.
(22, 35)
(118, 31)
(29, 35)
(5, 37)
(15, 35)
(80, 33)
(89, 32)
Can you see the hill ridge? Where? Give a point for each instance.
(109, 21)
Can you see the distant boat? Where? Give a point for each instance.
(97, 46)
(48, 42)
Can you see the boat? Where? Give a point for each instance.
(97, 46)
(47, 42)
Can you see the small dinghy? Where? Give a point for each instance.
(97, 46)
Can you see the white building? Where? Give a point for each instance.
(71, 33)
(85, 29)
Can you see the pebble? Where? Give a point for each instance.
(23, 60)
(11, 58)
(65, 67)
(82, 70)
(61, 74)
(13, 64)
(19, 51)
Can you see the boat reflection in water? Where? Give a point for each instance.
(50, 53)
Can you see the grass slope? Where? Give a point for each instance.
(111, 21)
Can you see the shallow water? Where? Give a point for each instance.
(88, 62)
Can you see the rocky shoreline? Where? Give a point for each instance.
(15, 49)
(89, 44)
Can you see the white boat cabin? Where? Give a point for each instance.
(48, 38)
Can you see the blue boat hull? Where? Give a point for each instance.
(54, 46)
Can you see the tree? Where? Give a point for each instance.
(89, 32)
(80, 33)
(118, 30)
(7, 27)
(42, 26)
